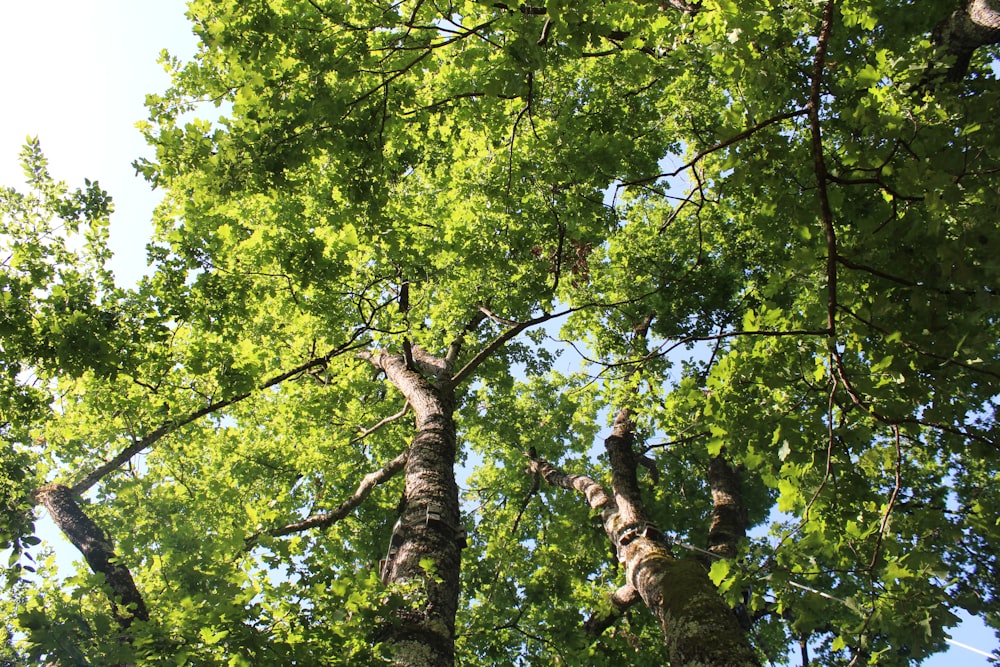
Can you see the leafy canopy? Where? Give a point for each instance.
(798, 210)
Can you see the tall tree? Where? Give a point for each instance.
(401, 281)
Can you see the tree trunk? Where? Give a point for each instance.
(729, 517)
(426, 543)
(976, 24)
(127, 603)
(698, 626)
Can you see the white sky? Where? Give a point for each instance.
(75, 73)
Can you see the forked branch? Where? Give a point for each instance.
(496, 344)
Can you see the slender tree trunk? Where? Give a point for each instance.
(698, 626)
(127, 603)
(426, 543)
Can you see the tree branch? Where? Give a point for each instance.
(456, 345)
(898, 484)
(494, 345)
(595, 494)
(173, 425)
(326, 519)
(127, 603)
(365, 432)
(976, 24)
(621, 601)
(427, 363)
(826, 213)
(944, 359)
(717, 147)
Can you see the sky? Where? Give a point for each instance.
(75, 75)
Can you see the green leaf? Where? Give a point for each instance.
(719, 571)
(211, 637)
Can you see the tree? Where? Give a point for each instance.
(332, 425)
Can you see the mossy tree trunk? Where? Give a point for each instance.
(698, 626)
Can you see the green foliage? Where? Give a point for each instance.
(60, 316)
(776, 253)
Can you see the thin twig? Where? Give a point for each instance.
(892, 500)
(717, 147)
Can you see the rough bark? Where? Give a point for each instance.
(698, 626)
(975, 24)
(127, 603)
(729, 517)
(429, 527)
